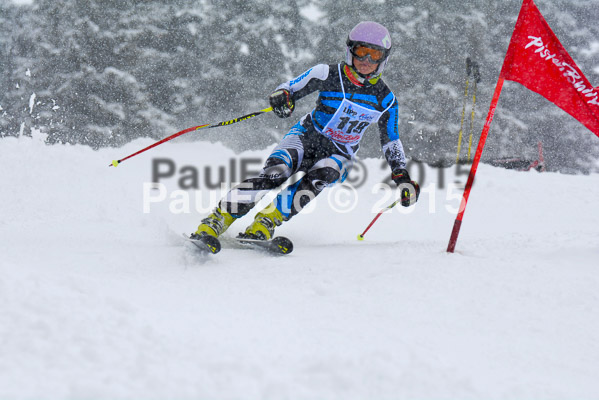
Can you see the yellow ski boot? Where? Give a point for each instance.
(215, 224)
(265, 222)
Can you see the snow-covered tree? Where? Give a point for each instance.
(105, 72)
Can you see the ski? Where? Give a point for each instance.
(279, 245)
(207, 243)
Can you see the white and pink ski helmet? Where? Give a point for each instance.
(371, 34)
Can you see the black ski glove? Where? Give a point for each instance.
(409, 193)
(400, 176)
(282, 103)
(410, 190)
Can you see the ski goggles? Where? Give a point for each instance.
(361, 52)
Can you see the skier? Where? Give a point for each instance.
(351, 96)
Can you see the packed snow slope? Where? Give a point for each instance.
(101, 298)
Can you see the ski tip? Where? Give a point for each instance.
(212, 243)
(282, 245)
(360, 237)
(206, 243)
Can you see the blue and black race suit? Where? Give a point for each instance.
(309, 148)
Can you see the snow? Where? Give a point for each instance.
(312, 12)
(31, 103)
(101, 300)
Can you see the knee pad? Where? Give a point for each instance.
(329, 171)
(276, 169)
(320, 178)
(284, 160)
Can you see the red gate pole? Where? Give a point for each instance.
(479, 152)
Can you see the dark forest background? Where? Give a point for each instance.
(103, 72)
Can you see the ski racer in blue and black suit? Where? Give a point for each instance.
(351, 97)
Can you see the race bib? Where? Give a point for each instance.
(349, 122)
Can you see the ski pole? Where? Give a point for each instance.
(476, 74)
(361, 236)
(468, 72)
(115, 163)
